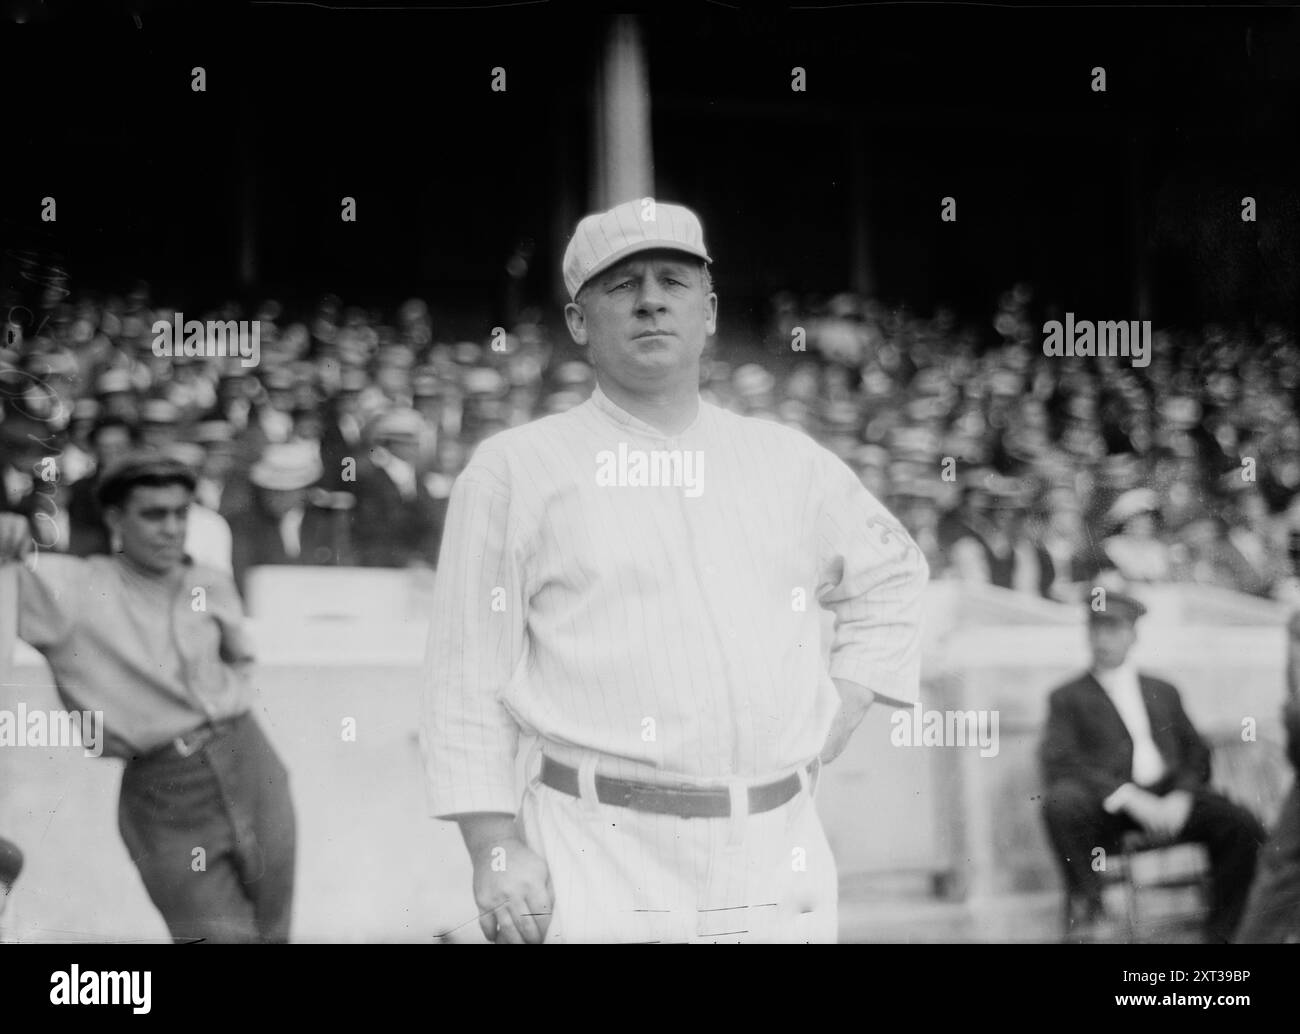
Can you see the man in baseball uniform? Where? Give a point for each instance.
(636, 582)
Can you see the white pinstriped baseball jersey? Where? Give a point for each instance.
(675, 634)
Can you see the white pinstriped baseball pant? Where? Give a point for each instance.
(627, 876)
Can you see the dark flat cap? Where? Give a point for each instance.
(144, 467)
(1115, 606)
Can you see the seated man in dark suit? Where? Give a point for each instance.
(1120, 754)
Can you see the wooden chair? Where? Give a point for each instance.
(1252, 773)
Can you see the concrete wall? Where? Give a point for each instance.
(373, 867)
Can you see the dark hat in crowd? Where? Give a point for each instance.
(1114, 606)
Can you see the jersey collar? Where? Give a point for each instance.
(616, 414)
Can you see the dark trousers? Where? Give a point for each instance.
(1077, 825)
(230, 798)
(1273, 908)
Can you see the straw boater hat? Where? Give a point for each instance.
(288, 466)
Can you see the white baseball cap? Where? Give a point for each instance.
(605, 238)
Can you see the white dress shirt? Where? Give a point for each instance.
(291, 531)
(675, 635)
(1125, 691)
(208, 540)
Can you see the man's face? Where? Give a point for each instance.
(111, 444)
(220, 460)
(392, 380)
(151, 523)
(307, 424)
(646, 321)
(1111, 642)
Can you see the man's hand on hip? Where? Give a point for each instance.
(512, 885)
(854, 702)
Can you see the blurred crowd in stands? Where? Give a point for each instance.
(1008, 467)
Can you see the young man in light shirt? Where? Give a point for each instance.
(155, 643)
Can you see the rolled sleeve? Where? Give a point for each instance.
(50, 589)
(873, 578)
(475, 643)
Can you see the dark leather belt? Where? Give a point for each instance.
(687, 802)
(192, 742)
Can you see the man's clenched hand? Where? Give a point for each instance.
(512, 885)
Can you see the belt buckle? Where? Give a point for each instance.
(186, 751)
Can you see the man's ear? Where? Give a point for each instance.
(577, 321)
(711, 322)
(113, 519)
